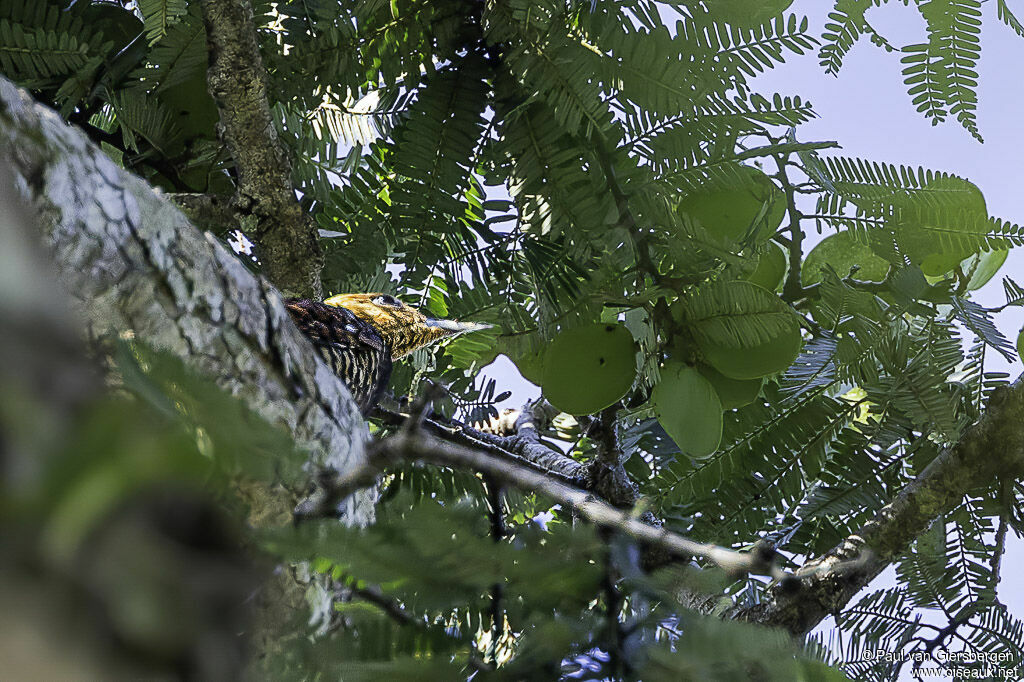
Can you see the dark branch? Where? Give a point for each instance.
(289, 242)
(207, 211)
(607, 475)
(373, 595)
(513, 436)
(792, 289)
(421, 446)
(495, 500)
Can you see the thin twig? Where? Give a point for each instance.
(394, 610)
(1000, 548)
(422, 446)
(237, 80)
(792, 290)
(498, 532)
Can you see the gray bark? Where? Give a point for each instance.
(130, 261)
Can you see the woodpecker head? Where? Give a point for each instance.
(403, 327)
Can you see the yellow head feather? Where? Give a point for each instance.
(403, 327)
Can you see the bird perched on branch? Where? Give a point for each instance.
(359, 335)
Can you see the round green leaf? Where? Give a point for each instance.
(757, 360)
(1020, 344)
(588, 368)
(984, 265)
(771, 268)
(728, 209)
(929, 237)
(938, 264)
(531, 366)
(842, 251)
(732, 392)
(742, 330)
(689, 409)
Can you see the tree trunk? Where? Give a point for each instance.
(130, 261)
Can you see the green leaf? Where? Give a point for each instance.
(771, 268)
(982, 267)
(160, 15)
(745, 207)
(748, 13)
(843, 252)
(689, 409)
(942, 74)
(742, 330)
(732, 392)
(588, 368)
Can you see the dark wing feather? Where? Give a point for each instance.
(354, 349)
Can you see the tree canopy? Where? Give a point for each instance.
(743, 422)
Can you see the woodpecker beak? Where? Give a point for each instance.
(427, 331)
(454, 328)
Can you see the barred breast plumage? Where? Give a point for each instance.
(359, 335)
(352, 347)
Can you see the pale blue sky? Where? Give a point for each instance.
(867, 110)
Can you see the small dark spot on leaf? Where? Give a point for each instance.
(609, 327)
(600, 361)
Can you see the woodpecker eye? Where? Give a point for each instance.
(387, 300)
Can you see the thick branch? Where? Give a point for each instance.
(206, 211)
(990, 451)
(133, 262)
(607, 474)
(130, 261)
(289, 245)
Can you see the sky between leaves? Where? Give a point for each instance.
(867, 110)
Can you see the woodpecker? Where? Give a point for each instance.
(360, 335)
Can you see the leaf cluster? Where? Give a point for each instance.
(544, 166)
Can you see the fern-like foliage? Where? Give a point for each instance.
(42, 44)
(979, 321)
(1009, 18)
(546, 165)
(940, 72)
(846, 24)
(178, 51)
(160, 16)
(951, 58)
(435, 148)
(905, 212)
